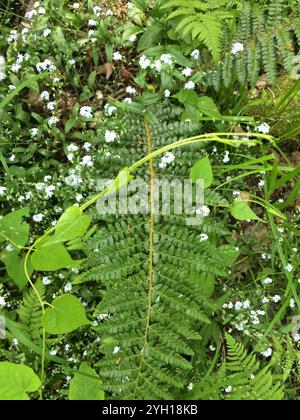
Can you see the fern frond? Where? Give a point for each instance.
(30, 313)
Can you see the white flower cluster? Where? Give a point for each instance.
(13, 36)
(203, 211)
(237, 47)
(110, 109)
(264, 128)
(37, 10)
(45, 65)
(166, 160)
(86, 112)
(157, 65)
(110, 136)
(18, 64)
(2, 68)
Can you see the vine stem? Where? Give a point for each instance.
(224, 138)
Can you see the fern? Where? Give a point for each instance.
(269, 33)
(202, 21)
(247, 380)
(239, 378)
(30, 313)
(151, 272)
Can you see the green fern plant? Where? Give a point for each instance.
(151, 271)
(244, 375)
(270, 34)
(240, 377)
(201, 20)
(30, 313)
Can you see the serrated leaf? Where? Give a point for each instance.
(208, 107)
(66, 315)
(86, 385)
(16, 381)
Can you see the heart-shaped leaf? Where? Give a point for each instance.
(86, 385)
(66, 315)
(16, 381)
(202, 170)
(240, 210)
(13, 228)
(51, 258)
(71, 224)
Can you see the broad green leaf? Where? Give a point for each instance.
(66, 315)
(228, 254)
(71, 224)
(202, 170)
(16, 381)
(240, 210)
(208, 107)
(151, 37)
(13, 227)
(51, 258)
(86, 385)
(187, 96)
(59, 38)
(15, 268)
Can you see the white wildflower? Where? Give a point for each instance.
(86, 112)
(237, 47)
(51, 105)
(38, 217)
(87, 161)
(110, 109)
(2, 302)
(267, 280)
(203, 211)
(144, 62)
(226, 158)
(131, 90)
(189, 85)
(167, 93)
(195, 54)
(45, 96)
(127, 101)
(203, 237)
(97, 10)
(87, 146)
(289, 268)
(46, 32)
(267, 353)
(116, 350)
(110, 136)
(46, 281)
(117, 56)
(263, 128)
(132, 38)
(52, 121)
(167, 59)
(187, 72)
(68, 287)
(13, 36)
(2, 191)
(190, 386)
(167, 159)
